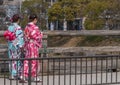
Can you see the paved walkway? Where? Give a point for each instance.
(70, 80)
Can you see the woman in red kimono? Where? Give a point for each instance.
(33, 41)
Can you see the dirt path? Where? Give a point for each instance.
(72, 42)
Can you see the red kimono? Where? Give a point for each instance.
(33, 41)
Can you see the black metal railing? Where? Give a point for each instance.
(79, 70)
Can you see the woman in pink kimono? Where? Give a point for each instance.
(33, 41)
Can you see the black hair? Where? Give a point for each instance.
(32, 17)
(15, 17)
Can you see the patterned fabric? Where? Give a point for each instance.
(14, 51)
(33, 41)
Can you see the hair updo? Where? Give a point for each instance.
(32, 17)
(15, 18)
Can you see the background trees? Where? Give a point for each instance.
(100, 14)
(38, 7)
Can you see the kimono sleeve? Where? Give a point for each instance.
(20, 37)
(37, 36)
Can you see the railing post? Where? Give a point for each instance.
(44, 46)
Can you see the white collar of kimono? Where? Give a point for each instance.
(16, 24)
(31, 23)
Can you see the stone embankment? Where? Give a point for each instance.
(84, 50)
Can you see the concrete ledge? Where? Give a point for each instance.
(81, 32)
(84, 32)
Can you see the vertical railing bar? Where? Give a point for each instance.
(10, 69)
(23, 70)
(96, 69)
(117, 68)
(29, 75)
(17, 74)
(111, 69)
(59, 72)
(86, 72)
(70, 71)
(36, 75)
(37, 71)
(80, 71)
(48, 73)
(75, 71)
(53, 72)
(64, 71)
(91, 70)
(17, 61)
(42, 72)
(101, 69)
(106, 69)
(4, 73)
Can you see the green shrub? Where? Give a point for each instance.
(94, 24)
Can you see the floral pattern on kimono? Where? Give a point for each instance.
(14, 50)
(33, 41)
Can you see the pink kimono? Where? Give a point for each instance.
(33, 41)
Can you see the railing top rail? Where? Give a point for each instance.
(68, 57)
